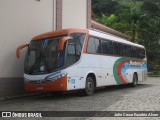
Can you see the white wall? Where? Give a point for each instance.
(74, 14)
(20, 20)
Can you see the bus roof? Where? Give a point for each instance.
(59, 32)
(112, 38)
(91, 32)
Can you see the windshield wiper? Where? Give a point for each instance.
(34, 65)
(59, 60)
(37, 60)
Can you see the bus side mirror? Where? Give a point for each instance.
(19, 49)
(62, 42)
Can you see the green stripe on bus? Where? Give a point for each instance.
(115, 68)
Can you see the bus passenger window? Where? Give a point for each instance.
(71, 57)
(91, 45)
(116, 49)
(120, 47)
(129, 53)
(125, 51)
(74, 48)
(107, 47)
(97, 45)
(133, 52)
(141, 53)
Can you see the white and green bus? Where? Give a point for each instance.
(81, 59)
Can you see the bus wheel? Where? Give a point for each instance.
(89, 89)
(135, 80)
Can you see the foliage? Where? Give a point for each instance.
(151, 7)
(106, 7)
(137, 18)
(157, 67)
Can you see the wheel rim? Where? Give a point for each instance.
(90, 86)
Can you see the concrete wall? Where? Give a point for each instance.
(20, 20)
(74, 14)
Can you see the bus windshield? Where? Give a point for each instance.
(43, 56)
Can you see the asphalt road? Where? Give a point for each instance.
(145, 97)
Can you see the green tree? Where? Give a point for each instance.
(137, 18)
(106, 7)
(153, 8)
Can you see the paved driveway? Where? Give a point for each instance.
(145, 97)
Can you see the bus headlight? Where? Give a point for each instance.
(55, 77)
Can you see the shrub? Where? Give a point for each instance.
(155, 72)
(157, 67)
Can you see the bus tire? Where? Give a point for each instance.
(135, 80)
(89, 88)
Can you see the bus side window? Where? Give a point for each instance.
(117, 49)
(91, 48)
(141, 53)
(107, 47)
(78, 39)
(120, 47)
(71, 54)
(130, 51)
(124, 50)
(133, 51)
(127, 51)
(74, 48)
(97, 45)
(137, 52)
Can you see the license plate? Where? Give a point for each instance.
(40, 88)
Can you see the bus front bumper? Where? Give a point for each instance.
(58, 85)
